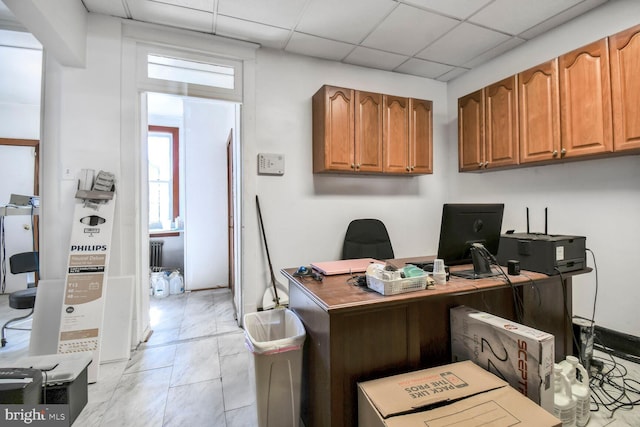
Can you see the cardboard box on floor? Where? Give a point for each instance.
(460, 394)
(520, 355)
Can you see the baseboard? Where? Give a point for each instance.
(621, 343)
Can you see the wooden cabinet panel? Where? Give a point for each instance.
(471, 132)
(420, 136)
(501, 124)
(624, 57)
(539, 113)
(357, 131)
(368, 135)
(333, 129)
(585, 100)
(396, 134)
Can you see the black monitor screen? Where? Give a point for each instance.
(465, 224)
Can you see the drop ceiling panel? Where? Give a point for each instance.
(516, 16)
(462, 44)
(561, 18)
(281, 13)
(422, 68)
(461, 9)
(305, 44)
(107, 7)
(165, 14)
(407, 30)
(375, 58)
(265, 35)
(494, 52)
(202, 5)
(346, 21)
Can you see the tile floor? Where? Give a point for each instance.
(195, 370)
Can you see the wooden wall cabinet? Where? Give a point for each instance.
(585, 101)
(624, 57)
(539, 113)
(365, 132)
(488, 127)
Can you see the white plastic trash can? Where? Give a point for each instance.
(275, 337)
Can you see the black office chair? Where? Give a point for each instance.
(367, 238)
(26, 262)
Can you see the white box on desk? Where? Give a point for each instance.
(521, 355)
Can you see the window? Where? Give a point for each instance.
(180, 70)
(164, 173)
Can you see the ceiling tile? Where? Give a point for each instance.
(561, 18)
(407, 30)
(456, 72)
(462, 44)
(239, 29)
(374, 58)
(203, 5)
(516, 16)
(422, 68)
(107, 7)
(174, 16)
(280, 13)
(457, 8)
(496, 51)
(305, 44)
(345, 21)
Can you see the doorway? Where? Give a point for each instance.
(198, 235)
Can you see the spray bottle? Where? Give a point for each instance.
(564, 405)
(579, 389)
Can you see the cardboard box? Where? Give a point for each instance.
(460, 394)
(520, 355)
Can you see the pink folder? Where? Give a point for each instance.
(344, 266)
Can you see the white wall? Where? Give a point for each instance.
(207, 126)
(305, 214)
(599, 199)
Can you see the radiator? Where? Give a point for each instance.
(155, 254)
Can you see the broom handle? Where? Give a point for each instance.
(264, 237)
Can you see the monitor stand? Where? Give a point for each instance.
(481, 268)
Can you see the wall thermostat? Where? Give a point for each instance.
(270, 164)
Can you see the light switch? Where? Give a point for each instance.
(270, 164)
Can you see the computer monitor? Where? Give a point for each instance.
(462, 226)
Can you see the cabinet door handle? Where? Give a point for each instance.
(358, 166)
(563, 151)
(555, 153)
(486, 164)
(353, 166)
(480, 165)
(408, 168)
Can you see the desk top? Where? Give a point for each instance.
(340, 292)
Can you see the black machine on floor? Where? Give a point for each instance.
(549, 254)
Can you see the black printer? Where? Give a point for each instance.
(543, 253)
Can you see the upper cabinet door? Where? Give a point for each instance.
(624, 56)
(368, 134)
(420, 136)
(501, 124)
(585, 98)
(471, 132)
(333, 129)
(539, 113)
(396, 134)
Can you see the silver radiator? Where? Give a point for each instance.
(155, 254)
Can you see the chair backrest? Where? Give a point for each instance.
(367, 238)
(25, 262)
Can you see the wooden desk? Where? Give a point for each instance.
(356, 335)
